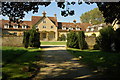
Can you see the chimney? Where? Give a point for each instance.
(44, 13)
(55, 15)
(74, 21)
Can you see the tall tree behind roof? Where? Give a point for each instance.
(94, 17)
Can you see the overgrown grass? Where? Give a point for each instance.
(53, 43)
(106, 62)
(19, 63)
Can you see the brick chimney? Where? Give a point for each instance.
(44, 13)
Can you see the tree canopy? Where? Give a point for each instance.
(94, 16)
(16, 10)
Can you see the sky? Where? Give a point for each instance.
(53, 9)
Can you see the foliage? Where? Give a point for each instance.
(31, 38)
(26, 39)
(11, 9)
(81, 40)
(117, 40)
(105, 62)
(108, 40)
(15, 59)
(34, 39)
(62, 38)
(72, 40)
(94, 17)
(110, 12)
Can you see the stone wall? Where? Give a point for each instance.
(12, 41)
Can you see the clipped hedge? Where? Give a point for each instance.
(31, 38)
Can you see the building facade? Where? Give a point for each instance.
(50, 29)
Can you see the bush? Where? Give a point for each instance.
(26, 39)
(106, 38)
(31, 38)
(81, 40)
(62, 38)
(117, 40)
(72, 40)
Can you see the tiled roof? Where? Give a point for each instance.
(83, 26)
(3, 22)
(35, 19)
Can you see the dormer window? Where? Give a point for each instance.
(24, 27)
(6, 26)
(15, 26)
(78, 28)
(44, 21)
(70, 28)
(63, 28)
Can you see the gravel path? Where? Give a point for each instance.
(58, 64)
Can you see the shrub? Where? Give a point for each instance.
(81, 40)
(62, 38)
(31, 38)
(117, 40)
(26, 39)
(105, 39)
(72, 40)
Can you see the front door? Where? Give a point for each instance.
(44, 35)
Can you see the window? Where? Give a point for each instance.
(15, 26)
(51, 27)
(44, 21)
(63, 28)
(78, 28)
(44, 26)
(6, 26)
(24, 27)
(36, 27)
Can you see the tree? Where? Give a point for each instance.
(81, 40)
(94, 16)
(16, 10)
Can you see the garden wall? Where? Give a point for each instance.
(12, 41)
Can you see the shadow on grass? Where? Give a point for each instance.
(20, 63)
(105, 63)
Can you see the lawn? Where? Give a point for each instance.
(53, 43)
(19, 63)
(106, 62)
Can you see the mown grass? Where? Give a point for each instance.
(53, 43)
(106, 62)
(19, 63)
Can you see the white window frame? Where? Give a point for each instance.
(24, 26)
(15, 26)
(63, 28)
(6, 25)
(44, 26)
(77, 28)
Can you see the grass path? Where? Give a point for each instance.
(58, 64)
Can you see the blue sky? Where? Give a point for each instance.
(53, 9)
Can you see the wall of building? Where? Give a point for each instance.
(12, 41)
(48, 25)
(90, 41)
(90, 33)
